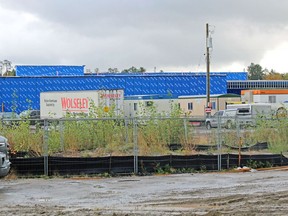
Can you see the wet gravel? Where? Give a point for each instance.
(248, 193)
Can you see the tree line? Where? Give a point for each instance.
(256, 72)
(129, 70)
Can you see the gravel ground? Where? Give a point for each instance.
(233, 193)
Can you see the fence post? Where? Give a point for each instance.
(239, 139)
(228, 161)
(135, 141)
(45, 147)
(110, 163)
(219, 147)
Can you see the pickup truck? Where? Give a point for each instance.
(4, 157)
(32, 115)
(225, 118)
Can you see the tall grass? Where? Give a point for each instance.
(103, 133)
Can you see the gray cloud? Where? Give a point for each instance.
(167, 34)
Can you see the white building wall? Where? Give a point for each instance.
(280, 98)
(278, 103)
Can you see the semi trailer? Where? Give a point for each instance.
(59, 104)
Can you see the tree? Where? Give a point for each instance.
(6, 68)
(113, 70)
(142, 70)
(255, 72)
(10, 73)
(273, 75)
(285, 76)
(134, 70)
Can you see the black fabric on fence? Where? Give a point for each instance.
(256, 147)
(28, 166)
(259, 146)
(146, 164)
(78, 166)
(150, 164)
(229, 161)
(122, 164)
(195, 162)
(205, 147)
(275, 159)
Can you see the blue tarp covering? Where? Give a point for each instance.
(24, 92)
(46, 70)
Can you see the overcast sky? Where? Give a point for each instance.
(166, 34)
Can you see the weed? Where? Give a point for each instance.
(258, 164)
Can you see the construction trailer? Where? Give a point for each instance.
(195, 106)
(146, 105)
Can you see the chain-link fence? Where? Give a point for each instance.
(120, 140)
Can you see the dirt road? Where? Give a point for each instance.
(250, 193)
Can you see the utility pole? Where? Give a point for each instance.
(208, 66)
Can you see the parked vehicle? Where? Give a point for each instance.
(32, 115)
(9, 118)
(4, 157)
(256, 109)
(247, 114)
(226, 118)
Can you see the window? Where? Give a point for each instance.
(135, 106)
(190, 106)
(213, 105)
(219, 113)
(272, 98)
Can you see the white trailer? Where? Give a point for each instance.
(57, 104)
(140, 105)
(247, 114)
(276, 97)
(252, 110)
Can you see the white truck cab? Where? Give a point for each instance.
(226, 118)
